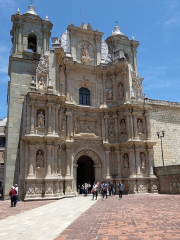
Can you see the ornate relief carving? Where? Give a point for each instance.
(126, 161)
(140, 126)
(63, 123)
(43, 66)
(39, 159)
(111, 130)
(142, 186)
(105, 56)
(143, 160)
(98, 128)
(85, 56)
(86, 127)
(68, 187)
(30, 189)
(41, 84)
(65, 42)
(39, 188)
(120, 91)
(123, 126)
(48, 188)
(136, 80)
(40, 119)
(109, 94)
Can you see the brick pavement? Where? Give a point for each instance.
(134, 217)
(6, 210)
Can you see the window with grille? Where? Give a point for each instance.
(2, 141)
(84, 96)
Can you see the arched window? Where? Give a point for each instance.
(32, 42)
(84, 96)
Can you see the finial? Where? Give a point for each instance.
(116, 22)
(31, 1)
(133, 38)
(47, 19)
(72, 24)
(18, 11)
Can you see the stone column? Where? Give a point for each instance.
(107, 164)
(132, 163)
(32, 117)
(150, 160)
(148, 126)
(114, 88)
(135, 125)
(53, 120)
(56, 120)
(119, 163)
(138, 162)
(32, 160)
(106, 128)
(127, 125)
(68, 162)
(68, 114)
(75, 178)
(49, 119)
(26, 157)
(103, 127)
(67, 85)
(55, 160)
(116, 129)
(48, 160)
(97, 169)
(44, 36)
(104, 88)
(20, 26)
(59, 162)
(126, 87)
(131, 127)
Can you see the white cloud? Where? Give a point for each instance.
(173, 20)
(6, 4)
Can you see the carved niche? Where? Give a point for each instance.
(111, 130)
(109, 90)
(42, 72)
(123, 126)
(120, 91)
(140, 126)
(40, 118)
(137, 86)
(143, 160)
(39, 159)
(85, 53)
(125, 161)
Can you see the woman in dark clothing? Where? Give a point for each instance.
(12, 194)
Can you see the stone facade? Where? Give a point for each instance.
(3, 123)
(82, 97)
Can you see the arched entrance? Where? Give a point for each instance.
(85, 170)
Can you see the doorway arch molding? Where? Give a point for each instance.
(96, 159)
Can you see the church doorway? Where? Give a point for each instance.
(85, 170)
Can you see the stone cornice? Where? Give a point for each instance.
(163, 103)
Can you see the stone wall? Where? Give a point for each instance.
(165, 116)
(168, 179)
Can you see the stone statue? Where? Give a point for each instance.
(63, 123)
(121, 54)
(40, 160)
(143, 160)
(85, 56)
(120, 92)
(111, 129)
(109, 94)
(41, 119)
(123, 126)
(41, 84)
(140, 126)
(126, 161)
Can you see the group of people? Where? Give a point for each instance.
(103, 188)
(13, 193)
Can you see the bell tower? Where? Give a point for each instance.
(30, 40)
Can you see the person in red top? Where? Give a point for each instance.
(12, 194)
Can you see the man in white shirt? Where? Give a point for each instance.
(104, 190)
(16, 187)
(94, 190)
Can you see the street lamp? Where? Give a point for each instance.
(158, 134)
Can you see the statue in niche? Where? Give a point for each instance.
(111, 129)
(126, 161)
(140, 126)
(62, 89)
(120, 91)
(41, 84)
(63, 123)
(123, 126)
(39, 160)
(143, 160)
(85, 56)
(121, 54)
(109, 94)
(41, 119)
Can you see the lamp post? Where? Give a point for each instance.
(161, 136)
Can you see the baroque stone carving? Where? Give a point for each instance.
(63, 123)
(43, 66)
(105, 56)
(143, 160)
(40, 159)
(48, 188)
(120, 91)
(41, 84)
(126, 161)
(123, 126)
(136, 81)
(85, 56)
(41, 119)
(65, 41)
(109, 94)
(140, 126)
(86, 127)
(111, 129)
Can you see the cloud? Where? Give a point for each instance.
(6, 4)
(173, 20)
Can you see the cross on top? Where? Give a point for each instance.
(116, 22)
(31, 1)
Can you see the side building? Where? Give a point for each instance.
(77, 112)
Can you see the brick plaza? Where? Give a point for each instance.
(134, 217)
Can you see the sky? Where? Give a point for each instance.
(155, 24)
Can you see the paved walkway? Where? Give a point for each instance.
(141, 217)
(42, 223)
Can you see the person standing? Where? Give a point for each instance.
(82, 189)
(120, 187)
(104, 190)
(86, 189)
(12, 194)
(110, 186)
(16, 187)
(94, 190)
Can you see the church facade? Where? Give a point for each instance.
(77, 112)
